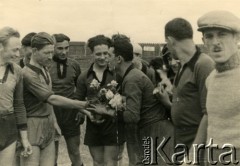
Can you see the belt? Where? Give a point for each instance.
(5, 114)
(186, 128)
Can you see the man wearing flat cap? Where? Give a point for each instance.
(220, 30)
(39, 100)
(26, 49)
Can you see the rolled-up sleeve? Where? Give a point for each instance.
(203, 69)
(81, 90)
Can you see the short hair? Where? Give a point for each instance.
(179, 28)
(26, 41)
(123, 48)
(120, 36)
(6, 33)
(41, 39)
(156, 63)
(61, 37)
(99, 40)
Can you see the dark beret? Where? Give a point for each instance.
(61, 37)
(26, 41)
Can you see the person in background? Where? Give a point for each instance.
(64, 72)
(39, 100)
(105, 140)
(172, 65)
(189, 91)
(12, 111)
(141, 64)
(26, 49)
(161, 73)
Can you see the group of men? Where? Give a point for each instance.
(205, 100)
(205, 103)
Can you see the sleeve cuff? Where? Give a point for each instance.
(22, 126)
(47, 96)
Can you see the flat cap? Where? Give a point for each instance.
(42, 38)
(219, 19)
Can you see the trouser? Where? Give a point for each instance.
(133, 144)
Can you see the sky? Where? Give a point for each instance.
(141, 20)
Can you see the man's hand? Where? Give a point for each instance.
(162, 95)
(80, 118)
(93, 118)
(58, 132)
(27, 148)
(98, 109)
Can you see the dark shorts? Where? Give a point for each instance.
(8, 130)
(67, 123)
(41, 131)
(109, 133)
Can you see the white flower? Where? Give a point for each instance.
(109, 95)
(155, 91)
(113, 83)
(94, 84)
(116, 101)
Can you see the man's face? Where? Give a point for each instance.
(113, 60)
(137, 54)
(101, 55)
(44, 55)
(221, 44)
(27, 52)
(61, 49)
(11, 50)
(171, 49)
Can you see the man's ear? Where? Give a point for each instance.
(203, 40)
(119, 59)
(34, 50)
(171, 40)
(1, 47)
(237, 38)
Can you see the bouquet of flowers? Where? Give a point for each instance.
(109, 96)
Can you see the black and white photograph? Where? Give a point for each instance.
(119, 82)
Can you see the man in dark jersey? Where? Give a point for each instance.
(64, 73)
(144, 116)
(26, 49)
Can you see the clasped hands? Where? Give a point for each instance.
(98, 109)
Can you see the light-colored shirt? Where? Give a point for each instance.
(11, 94)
